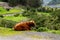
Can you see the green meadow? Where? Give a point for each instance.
(46, 20)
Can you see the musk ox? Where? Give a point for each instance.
(24, 26)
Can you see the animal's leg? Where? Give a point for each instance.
(26, 27)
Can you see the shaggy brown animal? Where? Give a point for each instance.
(24, 26)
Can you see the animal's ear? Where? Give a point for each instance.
(32, 21)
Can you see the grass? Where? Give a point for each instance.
(18, 19)
(40, 13)
(8, 32)
(13, 10)
(54, 31)
(3, 11)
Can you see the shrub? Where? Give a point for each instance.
(51, 21)
(13, 2)
(40, 29)
(1, 16)
(38, 17)
(56, 17)
(7, 23)
(16, 15)
(0, 0)
(46, 9)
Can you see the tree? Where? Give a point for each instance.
(5, 0)
(31, 3)
(34, 3)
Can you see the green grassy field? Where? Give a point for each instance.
(3, 11)
(19, 18)
(54, 31)
(13, 10)
(8, 31)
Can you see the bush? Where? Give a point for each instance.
(1, 16)
(38, 17)
(46, 9)
(16, 15)
(13, 2)
(51, 21)
(40, 29)
(56, 17)
(7, 23)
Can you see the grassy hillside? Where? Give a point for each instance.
(47, 19)
(13, 10)
(19, 18)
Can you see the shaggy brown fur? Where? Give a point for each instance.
(24, 26)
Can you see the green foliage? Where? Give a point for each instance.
(0, 0)
(9, 32)
(38, 17)
(10, 21)
(48, 20)
(16, 15)
(16, 10)
(46, 9)
(56, 15)
(54, 31)
(13, 2)
(34, 3)
(13, 10)
(7, 23)
(17, 19)
(41, 29)
(44, 17)
(31, 3)
(2, 10)
(1, 16)
(53, 21)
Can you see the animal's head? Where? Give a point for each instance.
(32, 23)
